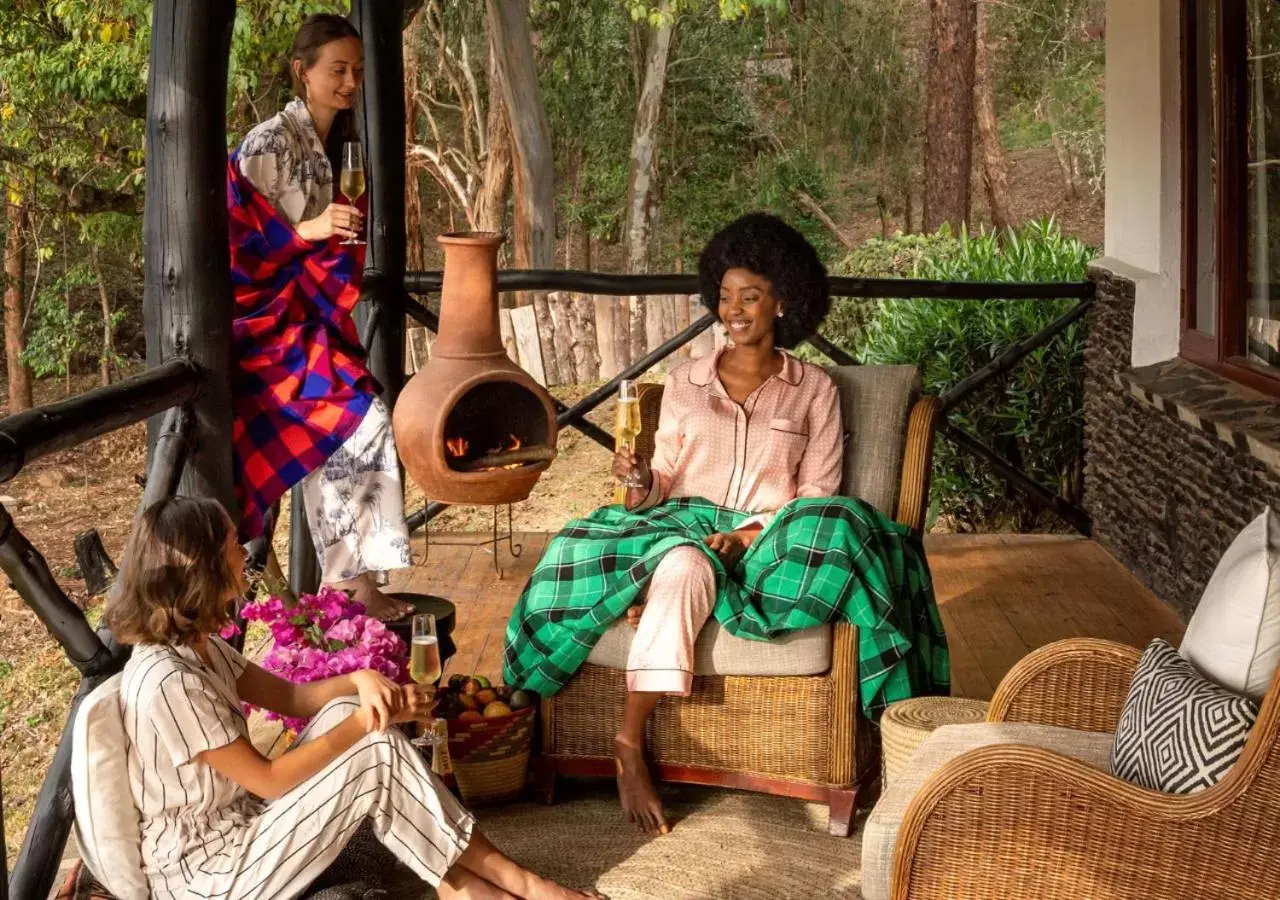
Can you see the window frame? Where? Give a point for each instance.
(1226, 350)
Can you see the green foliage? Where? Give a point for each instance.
(73, 82)
(900, 256)
(1049, 64)
(1033, 415)
(60, 331)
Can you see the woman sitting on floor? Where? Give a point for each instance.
(738, 519)
(196, 778)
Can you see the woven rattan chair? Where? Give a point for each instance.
(793, 735)
(1024, 822)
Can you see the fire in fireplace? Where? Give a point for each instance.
(472, 426)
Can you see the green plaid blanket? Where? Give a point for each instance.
(818, 560)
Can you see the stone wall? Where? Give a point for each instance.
(1167, 497)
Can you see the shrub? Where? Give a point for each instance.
(1032, 415)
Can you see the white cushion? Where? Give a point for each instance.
(880, 835)
(108, 829)
(717, 652)
(1234, 635)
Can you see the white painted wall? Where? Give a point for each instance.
(1143, 224)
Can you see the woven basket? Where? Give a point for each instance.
(905, 725)
(490, 759)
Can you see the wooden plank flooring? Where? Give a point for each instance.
(1001, 596)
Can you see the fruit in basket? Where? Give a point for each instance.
(485, 696)
(496, 708)
(455, 682)
(471, 715)
(523, 699)
(504, 692)
(471, 686)
(468, 701)
(484, 682)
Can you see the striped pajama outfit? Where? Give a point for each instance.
(786, 440)
(205, 837)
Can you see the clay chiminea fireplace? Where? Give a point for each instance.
(472, 426)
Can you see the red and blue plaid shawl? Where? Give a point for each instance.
(300, 385)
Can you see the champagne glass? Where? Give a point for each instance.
(424, 665)
(627, 427)
(351, 182)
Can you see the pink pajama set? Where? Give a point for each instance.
(785, 441)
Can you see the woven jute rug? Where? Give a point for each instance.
(725, 845)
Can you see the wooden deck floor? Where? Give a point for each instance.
(1000, 596)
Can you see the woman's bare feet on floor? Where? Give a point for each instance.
(633, 615)
(546, 889)
(640, 803)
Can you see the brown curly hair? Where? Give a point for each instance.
(174, 580)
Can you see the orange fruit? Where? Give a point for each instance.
(485, 696)
(471, 715)
(496, 708)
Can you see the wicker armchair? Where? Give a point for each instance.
(793, 735)
(1020, 821)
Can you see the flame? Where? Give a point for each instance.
(457, 446)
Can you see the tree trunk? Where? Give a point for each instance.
(415, 250)
(948, 146)
(566, 335)
(15, 271)
(586, 348)
(534, 165)
(637, 226)
(995, 168)
(108, 339)
(605, 342)
(491, 204)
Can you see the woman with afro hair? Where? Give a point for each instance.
(738, 518)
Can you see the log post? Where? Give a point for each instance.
(187, 304)
(304, 566)
(382, 124)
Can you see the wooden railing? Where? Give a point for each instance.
(597, 283)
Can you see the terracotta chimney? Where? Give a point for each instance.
(472, 426)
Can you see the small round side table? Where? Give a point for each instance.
(905, 725)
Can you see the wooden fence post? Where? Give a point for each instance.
(187, 303)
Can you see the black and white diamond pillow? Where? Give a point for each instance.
(1179, 732)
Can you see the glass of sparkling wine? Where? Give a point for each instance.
(351, 182)
(424, 664)
(627, 426)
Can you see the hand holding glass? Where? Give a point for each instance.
(627, 427)
(424, 664)
(351, 182)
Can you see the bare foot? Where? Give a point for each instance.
(461, 884)
(634, 613)
(640, 801)
(376, 604)
(545, 889)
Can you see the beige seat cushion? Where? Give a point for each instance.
(880, 836)
(875, 402)
(805, 652)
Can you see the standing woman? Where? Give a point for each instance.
(306, 405)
